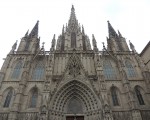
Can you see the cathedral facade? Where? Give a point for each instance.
(74, 80)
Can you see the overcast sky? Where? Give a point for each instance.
(131, 17)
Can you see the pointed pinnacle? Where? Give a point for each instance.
(72, 9)
(34, 31)
(72, 15)
(93, 37)
(26, 33)
(103, 45)
(54, 36)
(82, 29)
(53, 42)
(111, 30)
(63, 30)
(14, 45)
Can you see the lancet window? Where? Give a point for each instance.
(38, 71)
(17, 70)
(130, 69)
(109, 71)
(8, 98)
(139, 96)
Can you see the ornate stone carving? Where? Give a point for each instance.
(107, 113)
(136, 115)
(43, 113)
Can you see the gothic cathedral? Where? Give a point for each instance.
(74, 80)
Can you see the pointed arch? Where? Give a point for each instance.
(139, 95)
(38, 71)
(130, 69)
(33, 98)
(114, 95)
(8, 97)
(109, 71)
(17, 70)
(75, 92)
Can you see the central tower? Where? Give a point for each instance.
(73, 37)
(74, 97)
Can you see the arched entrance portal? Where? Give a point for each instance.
(75, 101)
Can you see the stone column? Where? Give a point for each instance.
(18, 97)
(126, 84)
(107, 113)
(131, 100)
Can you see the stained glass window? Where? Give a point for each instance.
(8, 98)
(130, 70)
(38, 72)
(109, 71)
(17, 70)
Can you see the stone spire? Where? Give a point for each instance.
(94, 43)
(63, 30)
(111, 31)
(73, 22)
(26, 35)
(83, 29)
(72, 16)
(53, 43)
(34, 32)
